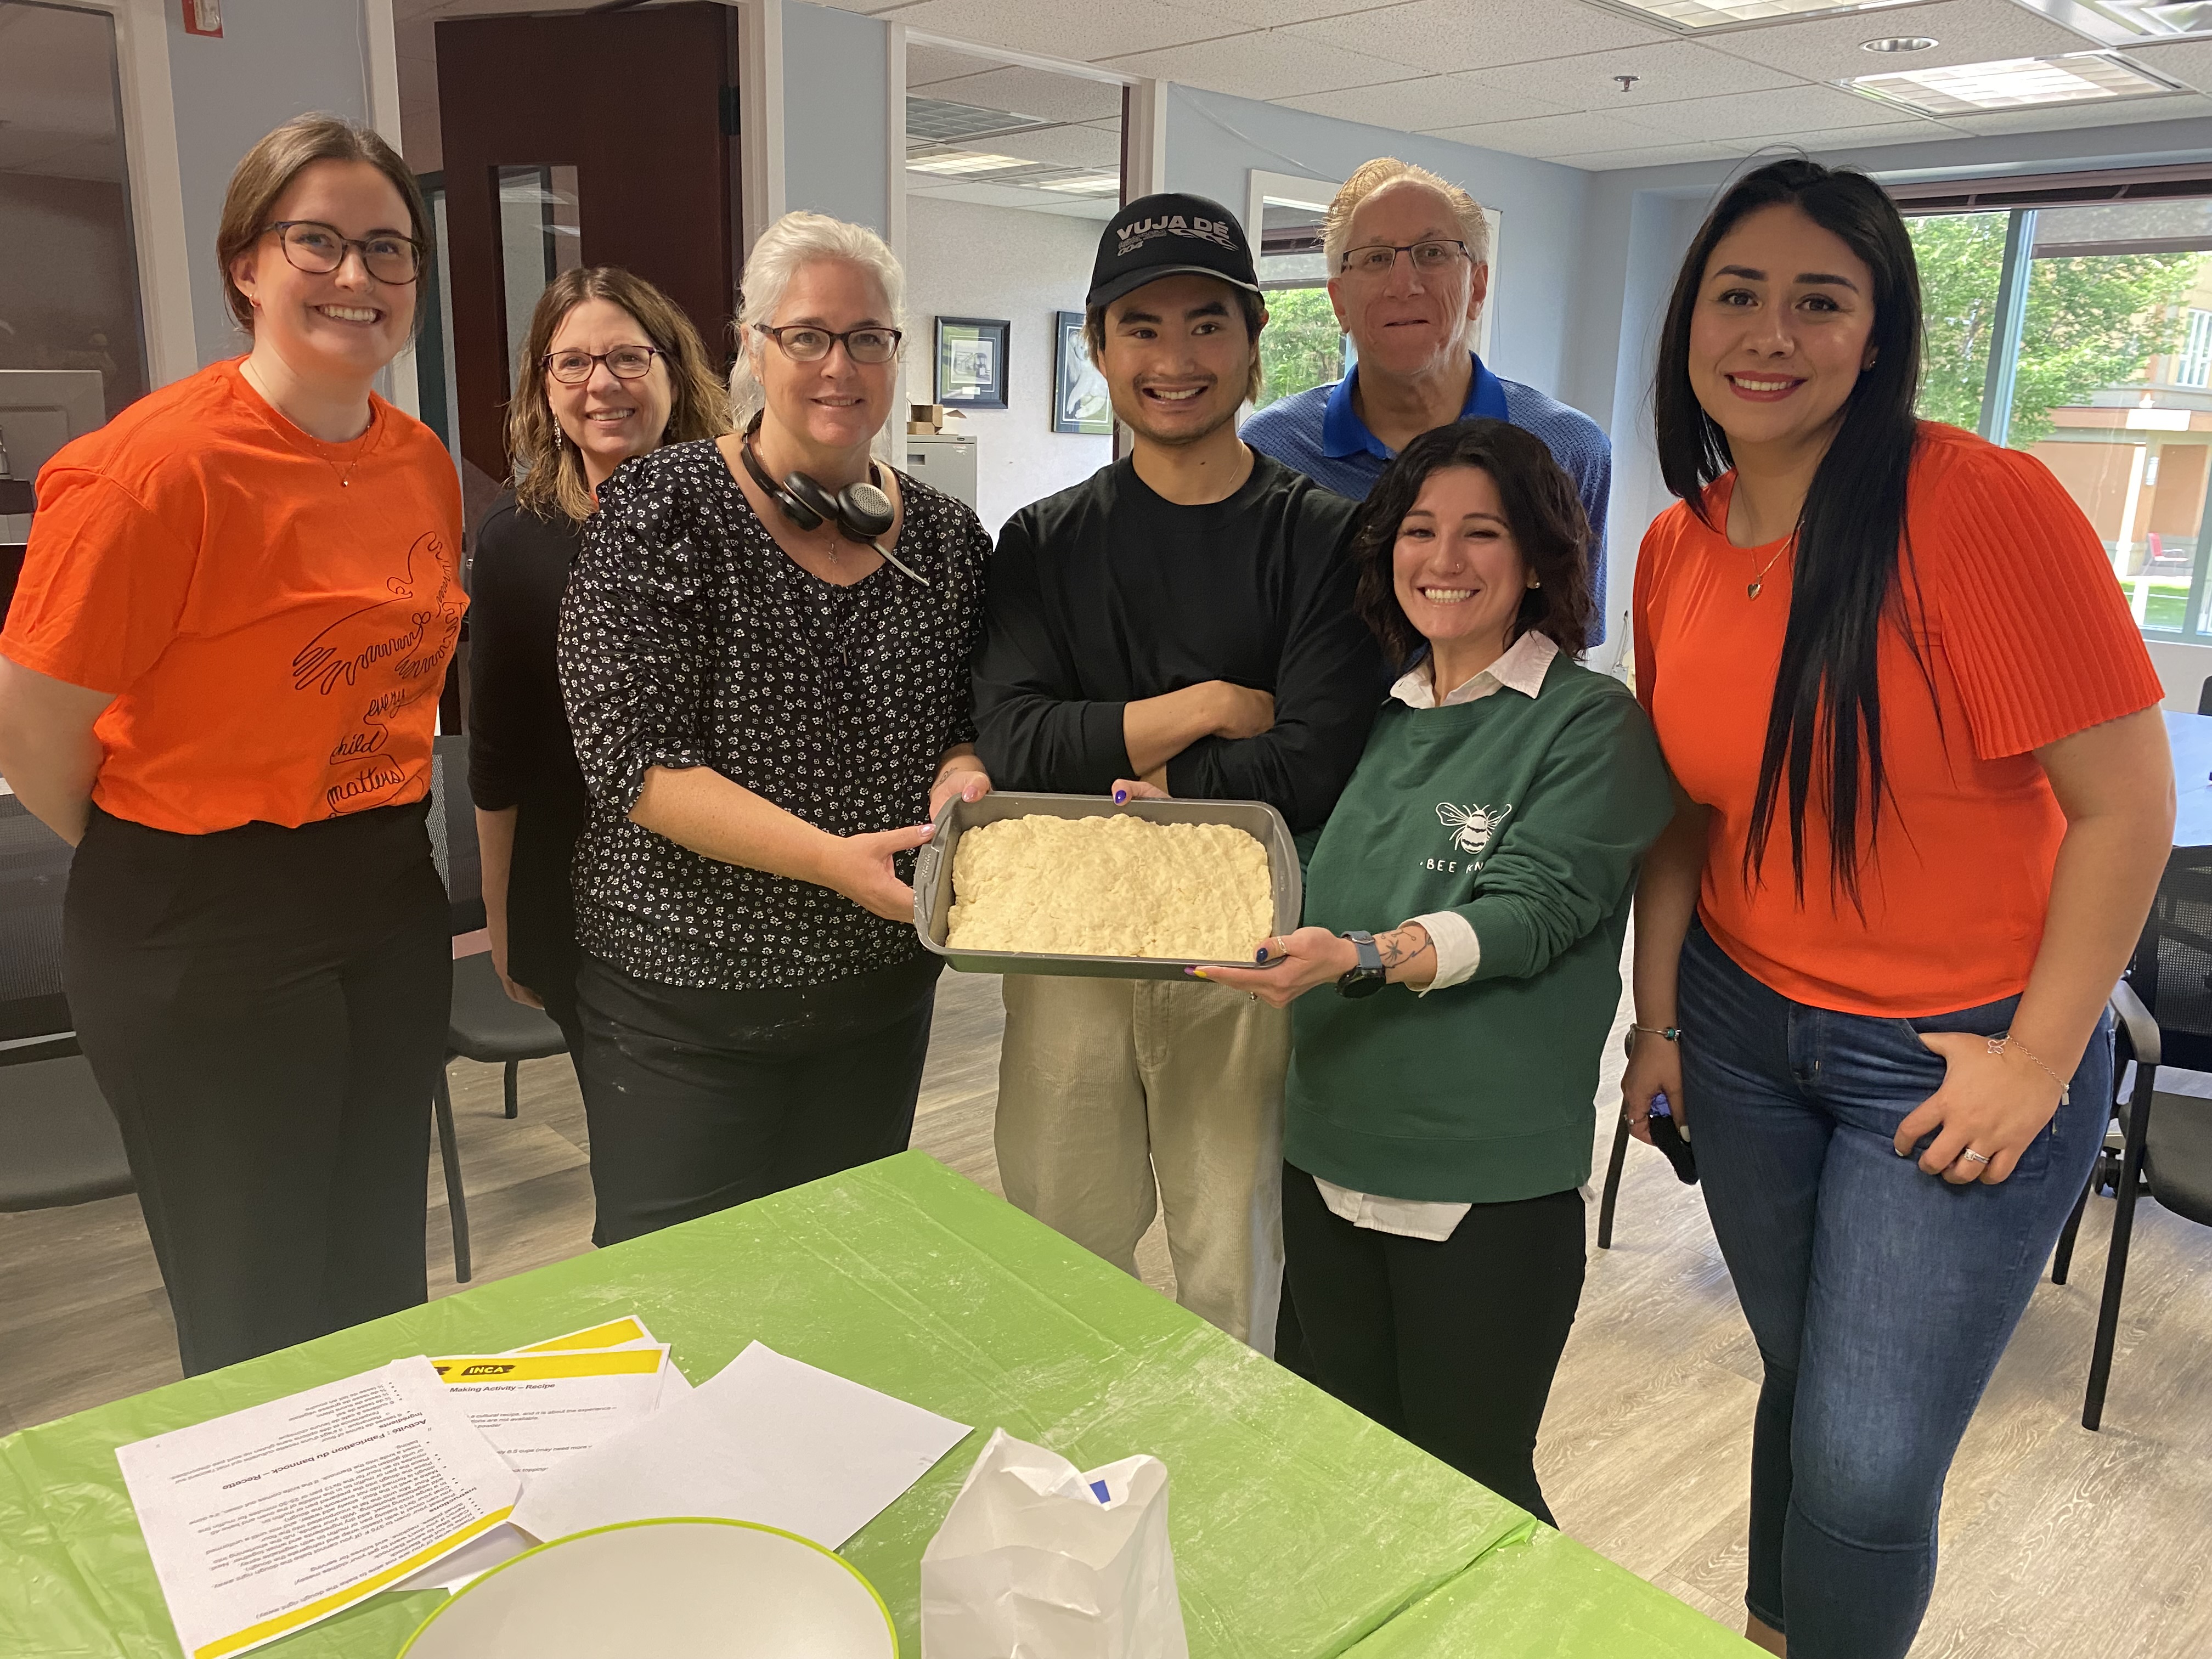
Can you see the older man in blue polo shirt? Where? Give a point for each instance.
(1410, 254)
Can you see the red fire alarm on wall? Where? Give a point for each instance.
(203, 17)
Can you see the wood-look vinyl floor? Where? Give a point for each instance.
(2057, 1544)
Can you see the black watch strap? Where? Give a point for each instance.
(1370, 976)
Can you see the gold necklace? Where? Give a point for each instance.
(1759, 579)
(345, 478)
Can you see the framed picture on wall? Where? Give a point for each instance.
(971, 361)
(1079, 402)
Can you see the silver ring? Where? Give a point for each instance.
(1254, 996)
(1977, 1157)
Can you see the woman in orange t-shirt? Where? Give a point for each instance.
(1923, 798)
(219, 681)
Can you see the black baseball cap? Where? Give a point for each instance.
(1170, 235)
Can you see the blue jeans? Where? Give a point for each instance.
(1881, 1297)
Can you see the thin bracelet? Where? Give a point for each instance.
(1674, 1033)
(2003, 1040)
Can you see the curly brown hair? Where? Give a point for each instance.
(548, 474)
(1542, 508)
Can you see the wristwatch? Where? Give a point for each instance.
(1370, 976)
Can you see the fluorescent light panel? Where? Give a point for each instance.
(1717, 14)
(2011, 83)
(960, 163)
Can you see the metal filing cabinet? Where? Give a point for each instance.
(945, 461)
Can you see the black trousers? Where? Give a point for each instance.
(1452, 1345)
(700, 1099)
(265, 1010)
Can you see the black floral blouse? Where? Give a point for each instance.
(688, 638)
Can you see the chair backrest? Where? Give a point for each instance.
(453, 833)
(2173, 967)
(2204, 696)
(34, 866)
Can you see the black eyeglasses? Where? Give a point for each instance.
(1376, 258)
(626, 362)
(319, 249)
(804, 343)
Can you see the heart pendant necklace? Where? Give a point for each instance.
(1759, 579)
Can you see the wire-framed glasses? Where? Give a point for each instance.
(624, 363)
(803, 342)
(320, 249)
(1376, 258)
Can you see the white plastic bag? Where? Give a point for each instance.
(1037, 1561)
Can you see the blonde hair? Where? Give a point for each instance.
(548, 472)
(268, 172)
(786, 249)
(1372, 176)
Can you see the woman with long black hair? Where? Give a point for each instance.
(1923, 798)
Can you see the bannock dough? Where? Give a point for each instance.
(1118, 886)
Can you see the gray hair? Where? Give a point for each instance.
(786, 249)
(1386, 170)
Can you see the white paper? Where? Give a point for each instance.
(768, 1440)
(537, 1408)
(274, 1517)
(628, 1332)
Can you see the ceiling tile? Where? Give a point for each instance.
(2189, 62)
(1274, 14)
(1677, 70)
(1093, 29)
(1261, 65)
(1028, 91)
(1433, 100)
(1438, 36)
(1648, 155)
(1964, 32)
(1918, 132)
(1070, 146)
(1551, 135)
(1755, 114)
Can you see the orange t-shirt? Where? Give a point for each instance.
(273, 613)
(2026, 637)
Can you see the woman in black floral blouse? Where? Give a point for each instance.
(767, 713)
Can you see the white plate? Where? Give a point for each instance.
(703, 1589)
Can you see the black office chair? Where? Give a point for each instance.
(2161, 1143)
(485, 1024)
(2204, 696)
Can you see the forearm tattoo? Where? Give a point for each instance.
(1402, 945)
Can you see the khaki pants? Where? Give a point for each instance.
(1111, 1088)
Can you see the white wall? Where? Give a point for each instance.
(966, 260)
(274, 59)
(835, 92)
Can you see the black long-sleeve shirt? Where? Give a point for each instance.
(1108, 593)
(519, 751)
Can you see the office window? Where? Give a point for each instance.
(2083, 335)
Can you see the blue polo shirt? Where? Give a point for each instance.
(1319, 433)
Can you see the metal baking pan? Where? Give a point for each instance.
(933, 876)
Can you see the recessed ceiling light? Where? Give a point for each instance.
(1719, 14)
(956, 163)
(2011, 83)
(1899, 43)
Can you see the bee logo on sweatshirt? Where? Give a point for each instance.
(1472, 827)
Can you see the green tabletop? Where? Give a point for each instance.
(1299, 1527)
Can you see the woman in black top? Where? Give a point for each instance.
(768, 704)
(619, 370)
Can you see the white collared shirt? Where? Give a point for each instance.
(1459, 952)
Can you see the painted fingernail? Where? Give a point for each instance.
(1262, 954)
(1120, 795)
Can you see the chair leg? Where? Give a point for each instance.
(1612, 1185)
(449, 1154)
(2064, 1258)
(512, 1066)
(2116, 1254)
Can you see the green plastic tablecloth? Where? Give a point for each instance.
(1299, 1527)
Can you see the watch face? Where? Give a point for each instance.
(1362, 985)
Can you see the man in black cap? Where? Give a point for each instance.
(1182, 622)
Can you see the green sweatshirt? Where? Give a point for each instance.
(1527, 816)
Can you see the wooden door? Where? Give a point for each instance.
(586, 139)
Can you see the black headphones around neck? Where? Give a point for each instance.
(861, 510)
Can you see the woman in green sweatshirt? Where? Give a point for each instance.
(1438, 1115)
